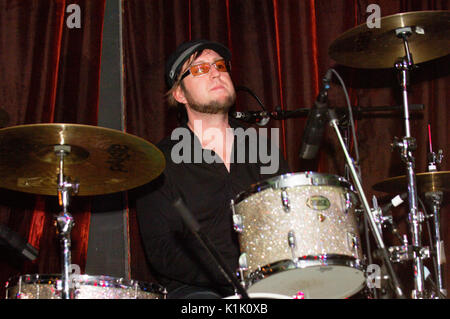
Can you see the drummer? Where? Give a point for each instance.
(209, 159)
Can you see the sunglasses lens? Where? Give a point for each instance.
(200, 69)
(221, 66)
(203, 68)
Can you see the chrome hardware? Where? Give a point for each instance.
(347, 202)
(238, 224)
(292, 244)
(352, 242)
(285, 201)
(408, 252)
(243, 262)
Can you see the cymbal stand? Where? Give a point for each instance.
(435, 200)
(407, 145)
(65, 221)
(371, 219)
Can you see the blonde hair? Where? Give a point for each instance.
(169, 95)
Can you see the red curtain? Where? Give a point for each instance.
(50, 73)
(280, 52)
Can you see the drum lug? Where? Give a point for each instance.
(285, 200)
(243, 266)
(353, 244)
(238, 223)
(292, 245)
(243, 262)
(348, 202)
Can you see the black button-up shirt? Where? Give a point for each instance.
(174, 253)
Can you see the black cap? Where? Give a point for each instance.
(185, 50)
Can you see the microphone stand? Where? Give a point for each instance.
(334, 123)
(194, 226)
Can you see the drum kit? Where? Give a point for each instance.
(299, 233)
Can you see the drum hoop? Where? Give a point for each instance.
(260, 295)
(304, 262)
(296, 179)
(89, 280)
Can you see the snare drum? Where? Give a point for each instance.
(298, 235)
(86, 287)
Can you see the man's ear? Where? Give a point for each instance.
(178, 95)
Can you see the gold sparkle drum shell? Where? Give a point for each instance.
(36, 286)
(298, 235)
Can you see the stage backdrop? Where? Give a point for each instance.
(50, 73)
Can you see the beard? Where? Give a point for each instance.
(214, 107)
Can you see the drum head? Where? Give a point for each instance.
(261, 295)
(316, 282)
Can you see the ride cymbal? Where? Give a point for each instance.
(378, 48)
(101, 160)
(426, 182)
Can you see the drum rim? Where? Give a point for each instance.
(307, 178)
(112, 282)
(304, 262)
(260, 295)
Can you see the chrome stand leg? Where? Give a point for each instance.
(407, 145)
(435, 200)
(65, 222)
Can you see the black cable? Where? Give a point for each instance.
(246, 89)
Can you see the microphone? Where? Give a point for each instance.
(315, 124)
(260, 118)
(394, 202)
(389, 222)
(18, 243)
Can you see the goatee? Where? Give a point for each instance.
(215, 107)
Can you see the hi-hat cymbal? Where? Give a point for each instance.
(101, 160)
(426, 182)
(378, 48)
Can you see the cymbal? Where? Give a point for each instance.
(101, 160)
(378, 48)
(426, 182)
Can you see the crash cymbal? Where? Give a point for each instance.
(101, 160)
(426, 182)
(374, 48)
